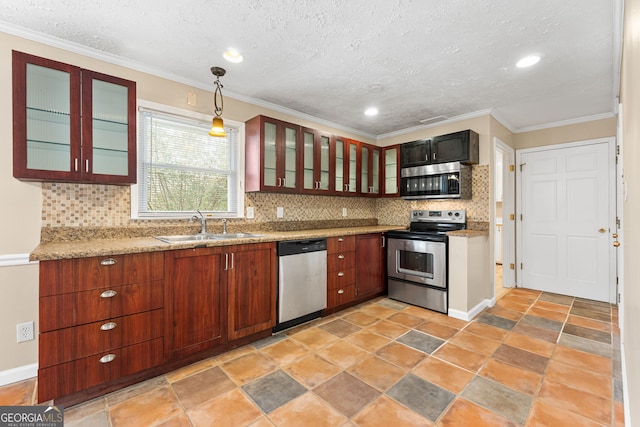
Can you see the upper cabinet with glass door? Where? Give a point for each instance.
(391, 156)
(272, 155)
(315, 162)
(71, 124)
(370, 170)
(345, 159)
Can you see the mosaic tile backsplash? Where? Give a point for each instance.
(93, 205)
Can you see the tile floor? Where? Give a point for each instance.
(535, 359)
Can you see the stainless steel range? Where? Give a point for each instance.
(417, 259)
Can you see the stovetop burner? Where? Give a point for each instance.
(431, 224)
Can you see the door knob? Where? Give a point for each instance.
(616, 244)
(602, 230)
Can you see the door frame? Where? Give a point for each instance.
(508, 202)
(611, 142)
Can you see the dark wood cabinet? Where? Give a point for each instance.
(196, 300)
(455, 147)
(272, 155)
(346, 173)
(370, 166)
(341, 271)
(391, 171)
(101, 316)
(252, 289)
(72, 124)
(370, 265)
(317, 173)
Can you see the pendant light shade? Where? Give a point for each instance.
(217, 125)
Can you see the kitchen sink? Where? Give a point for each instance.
(187, 238)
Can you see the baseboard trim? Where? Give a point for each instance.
(18, 374)
(15, 259)
(468, 315)
(625, 386)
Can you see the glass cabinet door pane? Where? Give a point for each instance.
(48, 119)
(291, 140)
(390, 171)
(375, 172)
(269, 154)
(308, 160)
(339, 165)
(353, 161)
(110, 135)
(364, 176)
(324, 163)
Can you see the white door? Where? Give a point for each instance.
(507, 230)
(566, 207)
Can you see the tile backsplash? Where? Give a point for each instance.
(95, 205)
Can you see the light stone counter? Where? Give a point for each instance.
(104, 247)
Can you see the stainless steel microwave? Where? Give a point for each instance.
(439, 181)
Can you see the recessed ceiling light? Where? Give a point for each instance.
(232, 55)
(528, 61)
(371, 111)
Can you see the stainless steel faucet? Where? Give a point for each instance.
(203, 222)
(224, 226)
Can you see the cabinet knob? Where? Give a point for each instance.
(340, 256)
(108, 294)
(108, 326)
(340, 239)
(108, 358)
(108, 261)
(341, 291)
(340, 274)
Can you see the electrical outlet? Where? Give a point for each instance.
(24, 331)
(280, 212)
(344, 211)
(250, 212)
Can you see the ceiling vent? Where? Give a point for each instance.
(433, 120)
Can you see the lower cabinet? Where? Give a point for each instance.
(252, 289)
(216, 295)
(370, 265)
(341, 271)
(196, 300)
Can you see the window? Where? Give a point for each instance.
(182, 169)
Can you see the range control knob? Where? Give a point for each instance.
(450, 213)
(457, 213)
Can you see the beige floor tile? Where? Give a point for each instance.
(444, 374)
(312, 370)
(307, 410)
(388, 329)
(401, 355)
(385, 412)
(232, 409)
(342, 354)
(367, 340)
(182, 373)
(377, 372)
(248, 367)
(314, 338)
(146, 409)
(285, 352)
(18, 394)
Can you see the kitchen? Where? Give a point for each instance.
(105, 206)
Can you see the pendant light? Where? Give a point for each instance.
(217, 125)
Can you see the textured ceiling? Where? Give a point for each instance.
(331, 59)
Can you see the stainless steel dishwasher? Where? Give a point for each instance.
(302, 281)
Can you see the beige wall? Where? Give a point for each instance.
(569, 133)
(630, 98)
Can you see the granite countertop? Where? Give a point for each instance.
(468, 233)
(103, 247)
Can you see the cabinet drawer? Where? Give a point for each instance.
(82, 274)
(340, 296)
(340, 261)
(63, 311)
(339, 279)
(69, 344)
(66, 378)
(341, 244)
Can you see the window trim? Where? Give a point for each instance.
(192, 115)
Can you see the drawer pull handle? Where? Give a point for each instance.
(340, 256)
(108, 326)
(108, 261)
(340, 239)
(108, 358)
(340, 274)
(341, 291)
(108, 294)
